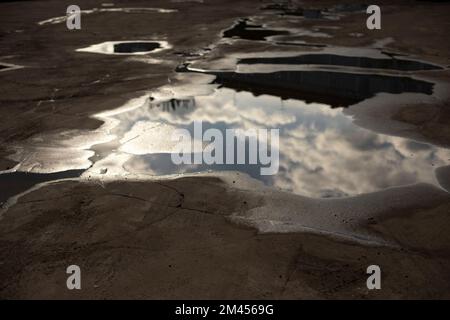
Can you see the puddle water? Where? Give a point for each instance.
(14, 183)
(130, 47)
(289, 10)
(322, 153)
(243, 30)
(136, 47)
(301, 44)
(320, 78)
(179, 105)
(339, 60)
(337, 89)
(8, 66)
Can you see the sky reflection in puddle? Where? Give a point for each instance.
(322, 153)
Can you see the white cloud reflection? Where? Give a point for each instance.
(322, 153)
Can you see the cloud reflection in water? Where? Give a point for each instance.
(322, 153)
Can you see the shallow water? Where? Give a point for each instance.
(337, 89)
(339, 60)
(130, 47)
(9, 66)
(288, 10)
(17, 182)
(322, 153)
(244, 30)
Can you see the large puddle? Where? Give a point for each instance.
(322, 153)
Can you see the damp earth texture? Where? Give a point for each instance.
(362, 153)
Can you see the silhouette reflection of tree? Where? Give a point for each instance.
(247, 31)
(174, 105)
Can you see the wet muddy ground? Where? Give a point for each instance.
(87, 176)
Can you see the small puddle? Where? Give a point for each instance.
(243, 30)
(137, 47)
(301, 44)
(131, 47)
(14, 183)
(8, 66)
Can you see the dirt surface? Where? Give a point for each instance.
(174, 239)
(185, 238)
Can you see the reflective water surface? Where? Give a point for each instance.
(13, 183)
(337, 89)
(340, 60)
(129, 47)
(244, 30)
(322, 153)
